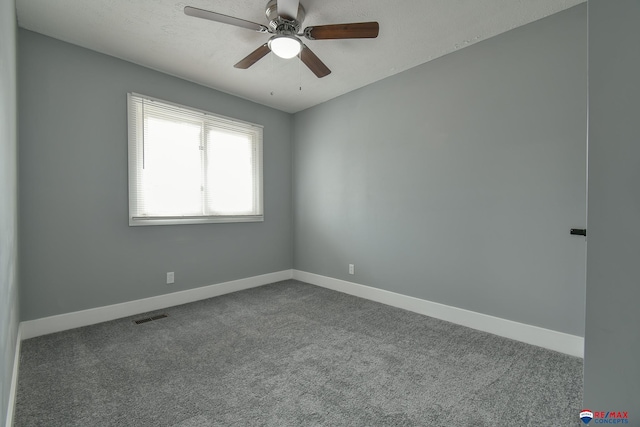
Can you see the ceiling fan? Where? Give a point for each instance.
(285, 20)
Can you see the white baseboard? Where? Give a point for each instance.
(14, 380)
(565, 343)
(63, 322)
(547, 338)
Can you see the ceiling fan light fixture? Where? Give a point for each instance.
(285, 46)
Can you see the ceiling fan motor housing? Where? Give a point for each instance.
(282, 25)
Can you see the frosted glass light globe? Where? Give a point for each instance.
(284, 46)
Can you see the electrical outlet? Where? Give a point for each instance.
(170, 277)
(351, 269)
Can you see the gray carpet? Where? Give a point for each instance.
(292, 354)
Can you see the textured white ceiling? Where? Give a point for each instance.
(157, 34)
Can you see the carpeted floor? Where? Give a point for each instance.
(292, 354)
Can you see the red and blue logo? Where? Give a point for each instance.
(586, 416)
(601, 417)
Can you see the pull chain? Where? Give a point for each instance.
(271, 65)
(300, 71)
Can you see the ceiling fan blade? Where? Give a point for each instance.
(288, 8)
(225, 19)
(253, 57)
(313, 62)
(359, 30)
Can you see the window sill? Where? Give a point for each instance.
(177, 220)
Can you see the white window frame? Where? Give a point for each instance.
(210, 120)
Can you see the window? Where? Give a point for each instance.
(189, 166)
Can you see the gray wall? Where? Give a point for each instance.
(612, 350)
(457, 181)
(77, 249)
(9, 306)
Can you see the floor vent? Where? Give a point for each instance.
(149, 319)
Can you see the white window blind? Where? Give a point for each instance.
(191, 166)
